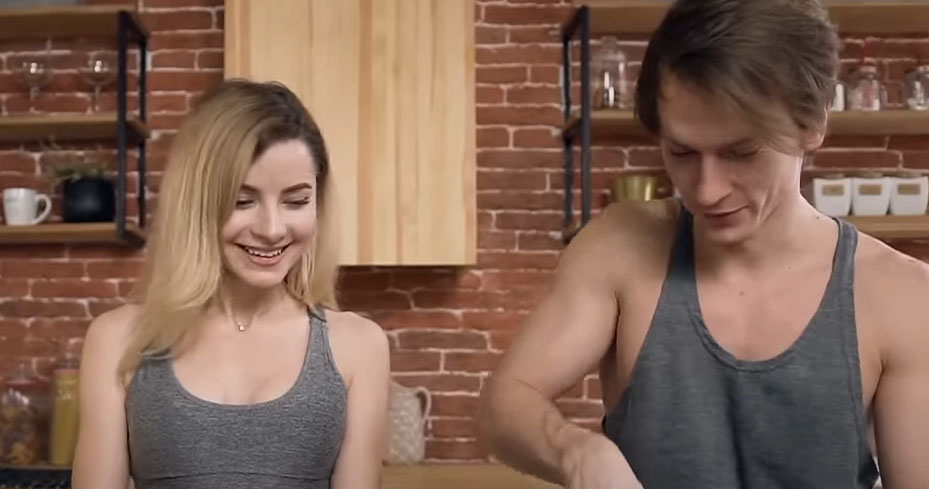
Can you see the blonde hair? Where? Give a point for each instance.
(230, 127)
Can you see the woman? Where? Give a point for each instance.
(231, 366)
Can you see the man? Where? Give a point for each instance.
(744, 340)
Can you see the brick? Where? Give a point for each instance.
(454, 405)
(125, 287)
(548, 221)
(484, 35)
(519, 200)
(495, 260)
(500, 74)
(895, 48)
(11, 329)
(523, 15)
(545, 74)
(650, 157)
(496, 240)
(454, 450)
(916, 159)
(534, 95)
(183, 80)
(179, 20)
(536, 138)
(115, 269)
(508, 280)
(454, 428)
(856, 159)
(73, 288)
(165, 121)
(40, 269)
(843, 141)
(372, 301)
(897, 69)
(517, 54)
(98, 307)
(511, 180)
(17, 161)
(351, 281)
(165, 102)
(174, 59)
(534, 34)
(49, 102)
(485, 219)
(210, 59)
(98, 251)
(579, 408)
(448, 340)
(59, 328)
(852, 49)
(414, 361)
(487, 137)
(920, 143)
(435, 279)
(185, 40)
(31, 251)
(487, 94)
(13, 288)
(458, 300)
(516, 159)
(540, 241)
(520, 116)
(34, 308)
(441, 382)
(593, 389)
(501, 340)
(493, 321)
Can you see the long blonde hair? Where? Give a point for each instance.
(229, 128)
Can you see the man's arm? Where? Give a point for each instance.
(563, 339)
(901, 403)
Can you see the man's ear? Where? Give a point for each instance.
(813, 137)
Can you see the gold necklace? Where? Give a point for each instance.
(242, 326)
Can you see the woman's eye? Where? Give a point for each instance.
(299, 202)
(243, 202)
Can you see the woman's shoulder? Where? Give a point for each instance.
(114, 326)
(358, 343)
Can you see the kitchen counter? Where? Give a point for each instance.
(459, 476)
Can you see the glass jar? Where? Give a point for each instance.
(24, 416)
(865, 91)
(63, 432)
(612, 87)
(916, 88)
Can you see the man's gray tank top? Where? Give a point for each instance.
(694, 416)
(180, 441)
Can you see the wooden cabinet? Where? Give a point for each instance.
(391, 84)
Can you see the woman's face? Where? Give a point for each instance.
(274, 219)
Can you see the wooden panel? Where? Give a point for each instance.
(643, 16)
(459, 476)
(391, 84)
(67, 127)
(41, 22)
(95, 232)
(893, 227)
(607, 124)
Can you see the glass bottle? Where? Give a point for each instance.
(916, 88)
(612, 87)
(63, 432)
(865, 91)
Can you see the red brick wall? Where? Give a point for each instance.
(448, 326)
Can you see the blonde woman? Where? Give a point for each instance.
(231, 367)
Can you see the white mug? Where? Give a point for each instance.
(21, 206)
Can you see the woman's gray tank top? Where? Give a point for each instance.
(694, 416)
(180, 441)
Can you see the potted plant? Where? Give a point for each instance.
(88, 194)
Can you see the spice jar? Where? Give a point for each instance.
(24, 414)
(916, 88)
(63, 433)
(870, 194)
(865, 91)
(909, 193)
(612, 87)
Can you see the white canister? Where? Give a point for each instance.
(870, 195)
(832, 194)
(909, 194)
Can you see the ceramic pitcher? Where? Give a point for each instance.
(409, 409)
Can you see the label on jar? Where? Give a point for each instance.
(870, 189)
(833, 190)
(908, 189)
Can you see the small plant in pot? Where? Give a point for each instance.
(87, 194)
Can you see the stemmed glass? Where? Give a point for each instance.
(35, 75)
(99, 72)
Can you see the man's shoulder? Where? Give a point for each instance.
(636, 222)
(890, 270)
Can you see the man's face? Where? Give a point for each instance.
(729, 179)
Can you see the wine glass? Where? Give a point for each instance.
(99, 73)
(35, 75)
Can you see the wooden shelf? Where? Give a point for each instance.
(893, 227)
(69, 233)
(643, 17)
(43, 22)
(68, 127)
(612, 123)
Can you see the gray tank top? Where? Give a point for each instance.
(180, 441)
(694, 416)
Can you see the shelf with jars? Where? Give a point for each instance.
(604, 112)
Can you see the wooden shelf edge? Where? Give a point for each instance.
(892, 227)
(38, 123)
(83, 20)
(71, 233)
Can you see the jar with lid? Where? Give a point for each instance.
(865, 91)
(612, 87)
(24, 412)
(63, 432)
(916, 88)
